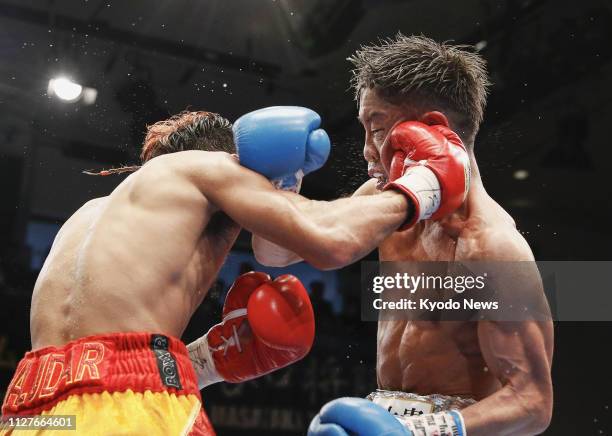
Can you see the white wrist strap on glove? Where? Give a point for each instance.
(203, 362)
(201, 356)
(423, 183)
(292, 183)
(448, 423)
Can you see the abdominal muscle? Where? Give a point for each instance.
(429, 357)
(432, 358)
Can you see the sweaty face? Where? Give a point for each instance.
(378, 117)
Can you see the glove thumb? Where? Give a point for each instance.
(317, 150)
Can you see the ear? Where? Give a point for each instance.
(434, 118)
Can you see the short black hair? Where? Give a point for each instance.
(451, 76)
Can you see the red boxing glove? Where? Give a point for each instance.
(431, 166)
(266, 325)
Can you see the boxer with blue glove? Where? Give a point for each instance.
(275, 147)
(161, 237)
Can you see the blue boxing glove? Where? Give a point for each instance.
(360, 417)
(355, 416)
(283, 143)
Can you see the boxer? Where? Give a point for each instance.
(439, 378)
(127, 271)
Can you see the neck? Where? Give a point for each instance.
(476, 185)
(454, 223)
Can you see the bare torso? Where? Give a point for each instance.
(141, 259)
(441, 357)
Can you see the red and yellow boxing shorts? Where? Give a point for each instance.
(120, 383)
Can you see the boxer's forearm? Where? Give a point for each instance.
(337, 233)
(358, 224)
(508, 413)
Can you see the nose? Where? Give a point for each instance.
(370, 153)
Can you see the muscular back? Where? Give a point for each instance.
(141, 259)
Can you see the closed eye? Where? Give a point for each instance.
(374, 132)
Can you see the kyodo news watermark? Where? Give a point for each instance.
(479, 290)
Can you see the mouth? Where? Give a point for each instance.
(376, 173)
(381, 183)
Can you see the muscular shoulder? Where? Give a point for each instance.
(190, 163)
(504, 243)
(495, 237)
(88, 209)
(195, 167)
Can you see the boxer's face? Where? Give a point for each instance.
(378, 117)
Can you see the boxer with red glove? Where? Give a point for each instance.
(430, 165)
(267, 324)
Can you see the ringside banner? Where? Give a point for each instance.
(486, 290)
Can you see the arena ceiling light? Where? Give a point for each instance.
(66, 90)
(521, 174)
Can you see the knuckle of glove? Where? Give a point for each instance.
(273, 140)
(410, 132)
(418, 140)
(281, 315)
(361, 416)
(450, 135)
(238, 295)
(442, 151)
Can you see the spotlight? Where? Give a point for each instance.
(69, 91)
(65, 89)
(521, 174)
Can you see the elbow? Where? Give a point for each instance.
(541, 416)
(543, 406)
(328, 261)
(270, 254)
(266, 259)
(537, 411)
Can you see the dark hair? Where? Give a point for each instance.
(434, 74)
(199, 130)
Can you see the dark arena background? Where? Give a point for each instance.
(544, 152)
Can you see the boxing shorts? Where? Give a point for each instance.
(405, 405)
(121, 383)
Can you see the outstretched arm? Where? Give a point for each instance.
(271, 254)
(326, 234)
